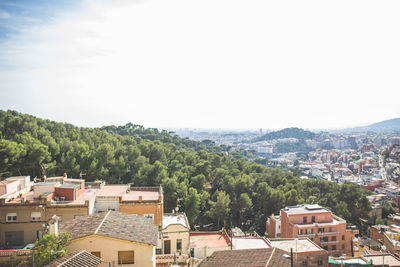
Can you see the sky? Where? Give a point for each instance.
(202, 64)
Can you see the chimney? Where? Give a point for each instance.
(53, 225)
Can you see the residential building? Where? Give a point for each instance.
(76, 258)
(268, 257)
(175, 233)
(24, 215)
(317, 223)
(203, 244)
(115, 237)
(143, 201)
(305, 251)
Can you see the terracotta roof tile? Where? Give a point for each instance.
(76, 258)
(114, 224)
(270, 257)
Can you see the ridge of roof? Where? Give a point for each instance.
(105, 217)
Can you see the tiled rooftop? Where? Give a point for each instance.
(76, 258)
(262, 257)
(114, 224)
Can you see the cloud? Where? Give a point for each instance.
(4, 14)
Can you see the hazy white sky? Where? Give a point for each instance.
(205, 64)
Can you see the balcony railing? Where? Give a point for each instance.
(328, 233)
(305, 235)
(328, 242)
(60, 202)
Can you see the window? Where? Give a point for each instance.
(300, 231)
(310, 231)
(325, 247)
(321, 230)
(305, 263)
(305, 219)
(312, 239)
(334, 247)
(342, 246)
(313, 219)
(96, 253)
(320, 262)
(342, 237)
(323, 239)
(36, 216)
(179, 244)
(11, 217)
(126, 257)
(330, 229)
(333, 238)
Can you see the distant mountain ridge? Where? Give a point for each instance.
(386, 126)
(292, 132)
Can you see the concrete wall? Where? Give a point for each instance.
(40, 189)
(175, 232)
(106, 203)
(202, 253)
(109, 247)
(66, 212)
(25, 181)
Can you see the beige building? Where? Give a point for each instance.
(24, 215)
(115, 237)
(175, 233)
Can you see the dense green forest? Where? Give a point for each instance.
(285, 147)
(286, 133)
(210, 185)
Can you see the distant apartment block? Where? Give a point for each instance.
(320, 225)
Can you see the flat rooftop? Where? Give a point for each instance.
(133, 195)
(250, 242)
(69, 186)
(378, 259)
(113, 190)
(174, 219)
(305, 209)
(303, 245)
(210, 240)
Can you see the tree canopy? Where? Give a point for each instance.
(204, 180)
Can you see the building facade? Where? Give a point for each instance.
(318, 224)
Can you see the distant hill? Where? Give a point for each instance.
(286, 133)
(387, 126)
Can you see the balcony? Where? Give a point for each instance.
(327, 233)
(306, 235)
(322, 243)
